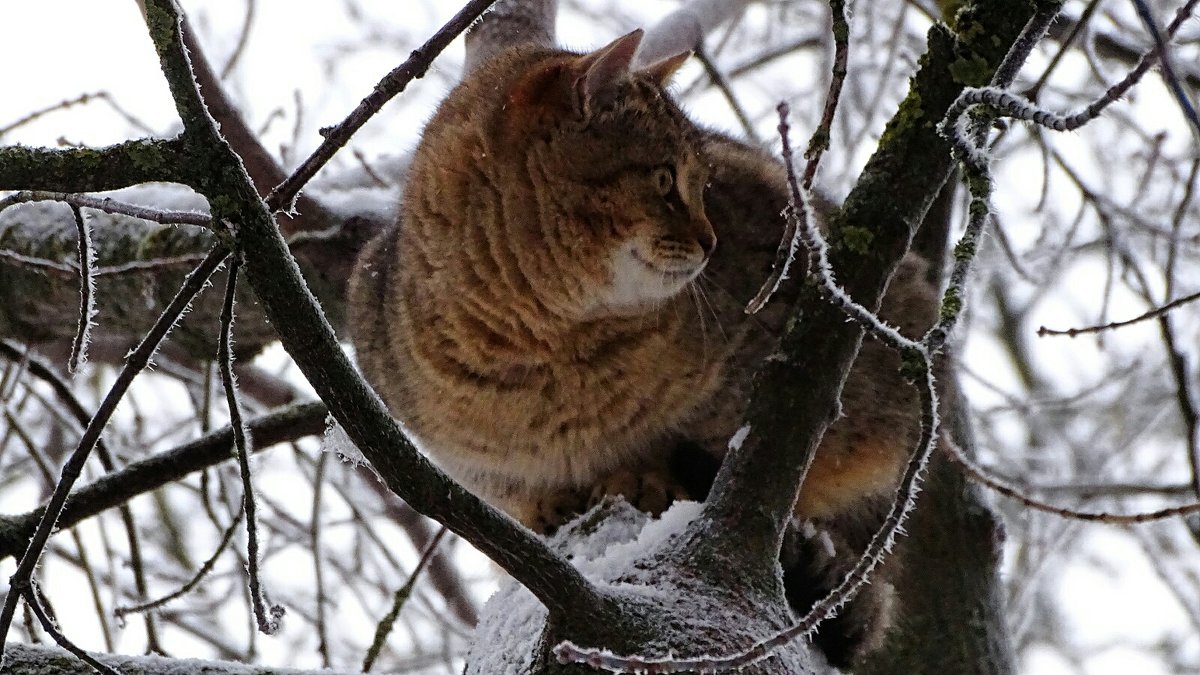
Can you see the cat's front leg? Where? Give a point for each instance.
(546, 513)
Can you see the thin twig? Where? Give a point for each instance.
(243, 39)
(987, 478)
(61, 269)
(149, 265)
(1156, 312)
(71, 470)
(33, 601)
(87, 293)
(314, 544)
(226, 537)
(268, 619)
(389, 621)
(1168, 71)
(718, 80)
(109, 205)
(78, 100)
(284, 194)
(817, 144)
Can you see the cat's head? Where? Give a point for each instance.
(617, 171)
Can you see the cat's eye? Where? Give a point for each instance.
(664, 179)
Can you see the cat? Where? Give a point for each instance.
(557, 313)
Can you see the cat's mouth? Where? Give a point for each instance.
(671, 269)
(640, 281)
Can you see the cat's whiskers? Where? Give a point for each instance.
(694, 292)
(698, 283)
(752, 318)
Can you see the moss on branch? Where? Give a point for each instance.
(90, 169)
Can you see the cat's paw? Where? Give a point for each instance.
(554, 510)
(648, 490)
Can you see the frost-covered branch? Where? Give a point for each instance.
(1006, 104)
(336, 137)
(280, 426)
(21, 582)
(242, 446)
(109, 205)
(87, 293)
(817, 144)
(308, 337)
(989, 479)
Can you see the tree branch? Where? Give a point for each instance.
(90, 169)
(114, 489)
(758, 483)
(306, 335)
(25, 659)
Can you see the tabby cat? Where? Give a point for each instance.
(557, 314)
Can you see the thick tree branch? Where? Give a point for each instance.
(310, 340)
(37, 660)
(90, 169)
(112, 490)
(758, 483)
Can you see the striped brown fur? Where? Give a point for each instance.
(549, 317)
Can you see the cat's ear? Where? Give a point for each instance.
(662, 72)
(598, 74)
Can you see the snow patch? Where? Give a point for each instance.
(511, 622)
(739, 437)
(337, 441)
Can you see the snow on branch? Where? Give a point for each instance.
(683, 29)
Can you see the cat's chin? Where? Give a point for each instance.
(640, 285)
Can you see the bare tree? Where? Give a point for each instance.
(1090, 235)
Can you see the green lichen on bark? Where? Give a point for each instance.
(90, 169)
(951, 305)
(854, 239)
(972, 71)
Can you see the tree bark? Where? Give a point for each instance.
(40, 307)
(23, 659)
